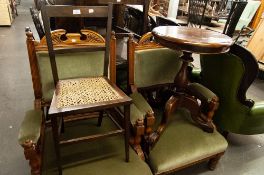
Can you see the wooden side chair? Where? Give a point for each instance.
(35, 135)
(196, 12)
(173, 140)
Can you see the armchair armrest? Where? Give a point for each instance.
(201, 92)
(30, 136)
(209, 104)
(31, 127)
(138, 128)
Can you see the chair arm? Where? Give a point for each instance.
(29, 138)
(201, 92)
(141, 103)
(30, 128)
(145, 108)
(209, 103)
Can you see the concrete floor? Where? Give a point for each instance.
(245, 154)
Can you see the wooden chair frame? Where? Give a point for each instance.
(33, 151)
(151, 136)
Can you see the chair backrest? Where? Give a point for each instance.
(36, 19)
(150, 64)
(70, 65)
(49, 11)
(196, 12)
(229, 75)
(233, 17)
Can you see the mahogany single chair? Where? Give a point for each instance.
(173, 140)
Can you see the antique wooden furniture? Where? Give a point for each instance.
(196, 12)
(190, 40)
(86, 94)
(35, 14)
(118, 22)
(32, 137)
(152, 68)
(233, 17)
(230, 75)
(6, 13)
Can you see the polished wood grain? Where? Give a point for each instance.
(193, 40)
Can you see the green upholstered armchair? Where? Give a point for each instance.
(33, 135)
(229, 75)
(182, 142)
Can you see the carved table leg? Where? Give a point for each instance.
(181, 79)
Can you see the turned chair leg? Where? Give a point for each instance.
(213, 161)
(100, 118)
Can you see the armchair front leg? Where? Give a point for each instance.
(32, 154)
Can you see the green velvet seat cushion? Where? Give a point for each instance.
(101, 157)
(183, 143)
(31, 127)
(70, 65)
(140, 102)
(156, 66)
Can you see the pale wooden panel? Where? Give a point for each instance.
(256, 44)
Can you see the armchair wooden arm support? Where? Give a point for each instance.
(29, 137)
(137, 128)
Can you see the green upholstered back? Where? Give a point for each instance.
(223, 73)
(70, 65)
(156, 66)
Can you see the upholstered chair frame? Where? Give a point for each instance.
(152, 136)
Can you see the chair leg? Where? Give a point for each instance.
(213, 161)
(100, 118)
(31, 154)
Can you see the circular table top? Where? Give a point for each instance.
(192, 39)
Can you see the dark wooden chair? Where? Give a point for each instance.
(233, 17)
(35, 14)
(196, 12)
(36, 139)
(237, 69)
(168, 133)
